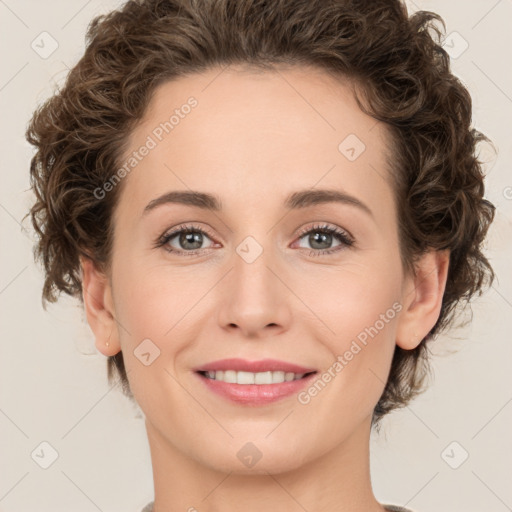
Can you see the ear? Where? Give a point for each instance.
(99, 308)
(422, 298)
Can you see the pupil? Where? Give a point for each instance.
(191, 238)
(323, 237)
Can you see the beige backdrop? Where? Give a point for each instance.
(53, 387)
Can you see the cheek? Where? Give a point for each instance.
(357, 310)
(149, 307)
(143, 309)
(352, 298)
(157, 307)
(151, 300)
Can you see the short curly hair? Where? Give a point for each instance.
(402, 78)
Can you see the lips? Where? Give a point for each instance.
(263, 365)
(255, 395)
(245, 382)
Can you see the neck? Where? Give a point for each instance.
(337, 480)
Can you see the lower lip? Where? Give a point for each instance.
(255, 394)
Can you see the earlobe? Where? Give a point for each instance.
(422, 299)
(99, 308)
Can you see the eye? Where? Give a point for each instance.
(188, 239)
(320, 237)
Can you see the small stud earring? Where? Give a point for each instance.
(107, 342)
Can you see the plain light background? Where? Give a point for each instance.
(53, 384)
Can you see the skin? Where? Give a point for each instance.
(253, 138)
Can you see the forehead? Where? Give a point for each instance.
(231, 130)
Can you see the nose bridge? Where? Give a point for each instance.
(256, 296)
(252, 278)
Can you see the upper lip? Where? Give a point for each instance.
(263, 365)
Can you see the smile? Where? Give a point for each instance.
(254, 389)
(260, 378)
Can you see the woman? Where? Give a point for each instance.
(269, 210)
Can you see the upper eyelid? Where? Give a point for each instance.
(319, 226)
(185, 227)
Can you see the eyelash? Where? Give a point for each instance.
(345, 239)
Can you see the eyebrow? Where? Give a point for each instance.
(296, 200)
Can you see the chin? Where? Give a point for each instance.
(254, 458)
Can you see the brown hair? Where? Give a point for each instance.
(402, 76)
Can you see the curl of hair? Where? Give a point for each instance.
(401, 76)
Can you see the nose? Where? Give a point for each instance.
(256, 297)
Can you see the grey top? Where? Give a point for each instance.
(390, 508)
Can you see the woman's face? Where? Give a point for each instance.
(258, 277)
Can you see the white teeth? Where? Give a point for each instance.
(234, 377)
(277, 377)
(227, 376)
(244, 378)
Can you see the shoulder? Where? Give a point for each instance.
(390, 508)
(148, 507)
